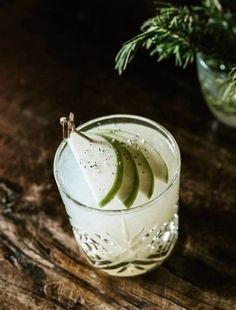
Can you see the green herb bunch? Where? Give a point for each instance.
(182, 32)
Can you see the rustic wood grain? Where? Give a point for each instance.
(58, 57)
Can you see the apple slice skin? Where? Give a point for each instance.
(119, 174)
(160, 169)
(124, 157)
(129, 163)
(143, 167)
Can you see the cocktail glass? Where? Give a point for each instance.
(125, 242)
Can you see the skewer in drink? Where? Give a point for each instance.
(118, 177)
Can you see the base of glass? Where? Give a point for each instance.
(145, 253)
(225, 118)
(132, 269)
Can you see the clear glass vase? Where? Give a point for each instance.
(214, 84)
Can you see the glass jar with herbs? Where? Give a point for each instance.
(205, 32)
(218, 86)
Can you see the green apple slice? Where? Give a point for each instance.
(145, 174)
(118, 175)
(130, 183)
(101, 163)
(156, 161)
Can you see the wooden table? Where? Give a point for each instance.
(59, 57)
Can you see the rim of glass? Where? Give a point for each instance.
(204, 62)
(164, 132)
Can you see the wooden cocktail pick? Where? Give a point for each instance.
(68, 126)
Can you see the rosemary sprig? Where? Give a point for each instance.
(183, 31)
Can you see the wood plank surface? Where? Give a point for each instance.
(57, 57)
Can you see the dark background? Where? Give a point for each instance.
(57, 57)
